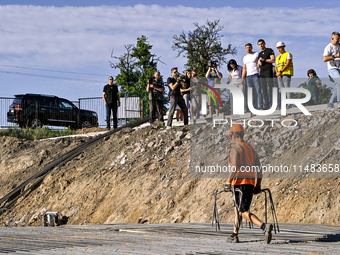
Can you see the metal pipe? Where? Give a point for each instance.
(272, 207)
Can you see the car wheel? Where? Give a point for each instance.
(35, 123)
(85, 124)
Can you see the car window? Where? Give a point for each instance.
(49, 102)
(17, 101)
(65, 105)
(33, 101)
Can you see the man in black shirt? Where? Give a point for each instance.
(112, 102)
(176, 98)
(266, 58)
(155, 88)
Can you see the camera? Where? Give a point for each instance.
(151, 80)
(179, 77)
(212, 64)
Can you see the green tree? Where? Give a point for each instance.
(136, 66)
(201, 45)
(325, 93)
(127, 77)
(145, 65)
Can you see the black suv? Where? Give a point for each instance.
(35, 110)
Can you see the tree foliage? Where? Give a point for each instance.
(201, 45)
(145, 65)
(136, 66)
(324, 96)
(127, 77)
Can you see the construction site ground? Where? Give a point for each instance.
(142, 175)
(181, 238)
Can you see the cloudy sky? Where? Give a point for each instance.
(63, 48)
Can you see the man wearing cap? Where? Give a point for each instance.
(331, 55)
(244, 179)
(284, 69)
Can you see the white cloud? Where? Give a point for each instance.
(79, 37)
(76, 29)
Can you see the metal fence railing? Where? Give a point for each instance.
(124, 111)
(4, 107)
(130, 107)
(134, 106)
(94, 104)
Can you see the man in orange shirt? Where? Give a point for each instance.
(243, 158)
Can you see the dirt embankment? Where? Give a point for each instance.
(145, 173)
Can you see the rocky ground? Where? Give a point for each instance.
(148, 174)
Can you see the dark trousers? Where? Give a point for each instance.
(247, 196)
(177, 100)
(314, 100)
(158, 104)
(266, 81)
(113, 108)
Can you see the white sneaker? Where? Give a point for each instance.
(329, 109)
(168, 127)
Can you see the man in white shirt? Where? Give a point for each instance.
(251, 73)
(331, 55)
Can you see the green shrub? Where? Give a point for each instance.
(35, 134)
(325, 93)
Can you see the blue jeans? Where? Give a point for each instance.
(193, 104)
(113, 108)
(253, 82)
(335, 74)
(270, 91)
(283, 82)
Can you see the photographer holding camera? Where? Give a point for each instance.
(155, 88)
(175, 82)
(213, 76)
